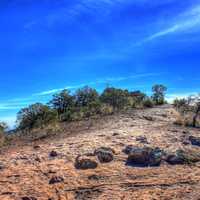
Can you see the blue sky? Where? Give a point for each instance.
(48, 45)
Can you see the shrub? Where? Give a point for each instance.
(159, 94)
(179, 103)
(138, 97)
(148, 103)
(34, 116)
(3, 127)
(106, 109)
(189, 109)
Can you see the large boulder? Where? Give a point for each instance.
(194, 140)
(181, 157)
(104, 154)
(145, 156)
(85, 162)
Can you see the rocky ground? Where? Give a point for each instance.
(45, 169)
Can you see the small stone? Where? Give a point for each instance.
(115, 134)
(104, 149)
(194, 140)
(186, 142)
(2, 166)
(85, 162)
(104, 154)
(56, 179)
(36, 147)
(148, 118)
(53, 154)
(29, 198)
(142, 139)
(38, 159)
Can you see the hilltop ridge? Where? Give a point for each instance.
(44, 169)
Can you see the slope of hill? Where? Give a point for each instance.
(44, 169)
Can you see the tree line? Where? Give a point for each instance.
(84, 103)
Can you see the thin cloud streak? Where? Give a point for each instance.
(18, 103)
(99, 81)
(188, 21)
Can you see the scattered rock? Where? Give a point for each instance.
(2, 166)
(7, 193)
(36, 147)
(142, 139)
(115, 134)
(29, 198)
(145, 157)
(104, 149)
(194, 140)
(85, 162)
(148, 118)
(105, 156)
(56, 179)
(173, 130)
(186, 142)
(174, 159)
(86, 194)
(95, 177)
(181, 157)
(38, 159)
(101, 135)
(53, 154)
(186, 132)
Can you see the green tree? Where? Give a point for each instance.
(87, 101)
(85, 96)
(35, 116)
(62, 102)
(159, 94)
(117, 98)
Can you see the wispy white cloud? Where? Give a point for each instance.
(70, 13)
(185, 22)
(107, 80)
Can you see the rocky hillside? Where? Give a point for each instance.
(139, 154)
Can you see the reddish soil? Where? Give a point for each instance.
(27, 167)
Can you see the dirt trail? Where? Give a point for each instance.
(26, 169)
